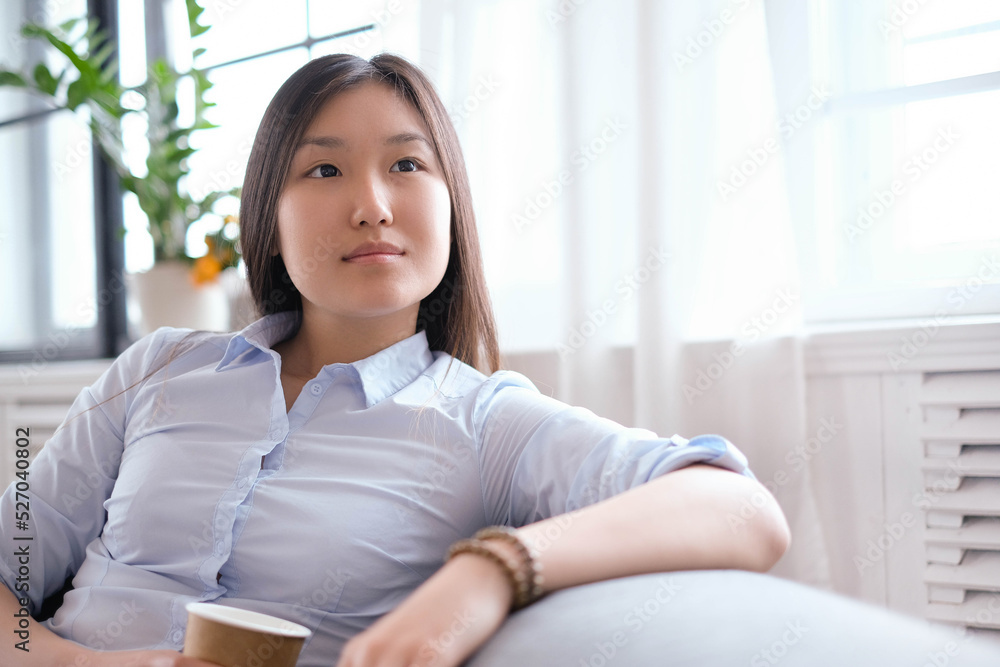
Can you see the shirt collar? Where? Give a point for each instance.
(261, 334)
(381, 375)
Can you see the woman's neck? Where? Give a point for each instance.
(323, 340)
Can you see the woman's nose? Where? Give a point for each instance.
(371, 204)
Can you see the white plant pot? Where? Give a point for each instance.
(165, 296)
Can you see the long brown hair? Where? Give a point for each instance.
(457, 314)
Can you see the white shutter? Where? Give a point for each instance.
(961, 500)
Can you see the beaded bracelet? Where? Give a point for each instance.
(529, 557)
(525, 581)
(510, 569)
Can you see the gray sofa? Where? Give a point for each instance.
(721, 617)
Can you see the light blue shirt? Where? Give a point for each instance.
(196, 485)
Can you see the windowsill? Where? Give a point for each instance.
(970, 342)
(38, 380)
(896, 324)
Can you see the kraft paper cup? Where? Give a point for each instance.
(234, 637)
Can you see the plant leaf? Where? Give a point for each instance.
(8, 78)
(44, 80)
(76, 94)
(85, 68)
(109, 73)
(194, 12)
(67, 26)
(102, 54)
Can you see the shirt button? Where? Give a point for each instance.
(219, 546)
(177, 636)
(316, 389)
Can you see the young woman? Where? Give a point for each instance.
(319, 464)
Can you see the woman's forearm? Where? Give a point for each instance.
(699, 517)
(28, 643)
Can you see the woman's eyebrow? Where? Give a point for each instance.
(337, 142)
(405, 138)
(323, 142)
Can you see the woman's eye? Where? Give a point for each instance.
(324, 171)
(404, 165)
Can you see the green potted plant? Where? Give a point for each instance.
(88, 84)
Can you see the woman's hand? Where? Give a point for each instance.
(441, 624)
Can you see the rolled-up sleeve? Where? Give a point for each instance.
(540, 457)
(67, 484)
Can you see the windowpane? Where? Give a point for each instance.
(131, 43)
(364, 44)
(937, 17)
(249, 27)
(71, 245)
(328, 18)
(950, 165)
(47, 229)
(47, 267)
(941, 59)
(17, 323)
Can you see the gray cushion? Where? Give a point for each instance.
(720, 617)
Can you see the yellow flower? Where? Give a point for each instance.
(205, 269)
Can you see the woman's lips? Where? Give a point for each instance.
(375, 258)
(374, 252)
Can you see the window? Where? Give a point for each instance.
(905, 162)
(48, 270)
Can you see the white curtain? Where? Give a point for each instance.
(632, 181)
